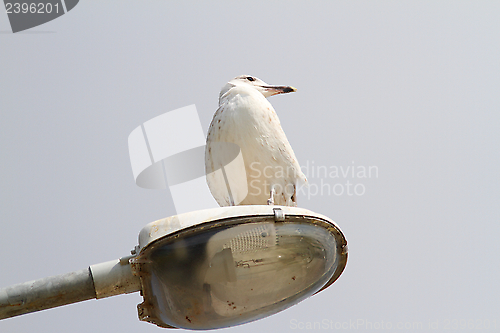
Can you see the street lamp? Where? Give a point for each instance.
(206, 269)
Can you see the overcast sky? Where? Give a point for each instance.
(409, 88)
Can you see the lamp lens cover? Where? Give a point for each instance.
(229, 275)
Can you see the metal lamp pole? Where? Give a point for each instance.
(97, 281)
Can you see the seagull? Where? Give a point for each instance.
(269, 172)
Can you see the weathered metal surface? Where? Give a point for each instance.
(180, 226)
(46, 293)
(114, 277)
(98, 281)
(172, 224)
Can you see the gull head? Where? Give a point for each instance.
(251, 82)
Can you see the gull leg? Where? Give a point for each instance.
(294, 197)
(270, 201)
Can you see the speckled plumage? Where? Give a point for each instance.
(246, 118)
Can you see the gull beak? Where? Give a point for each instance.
(274, 90)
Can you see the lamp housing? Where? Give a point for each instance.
(227, 266)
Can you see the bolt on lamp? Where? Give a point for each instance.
(206, 269)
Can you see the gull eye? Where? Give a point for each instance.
(249, 78)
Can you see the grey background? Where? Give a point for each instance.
(409, 87)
